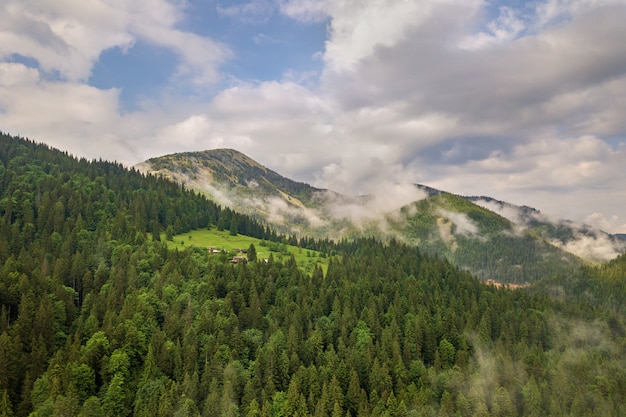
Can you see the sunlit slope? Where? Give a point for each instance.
(228, 169)
(223, 244)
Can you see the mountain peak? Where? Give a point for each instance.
(219, 159)
(234, 174)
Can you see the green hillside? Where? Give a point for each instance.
(480, 240)
(443, 224)
(99, 317)
(306, 259)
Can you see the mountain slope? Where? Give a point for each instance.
(582, 240)
(232, 170)
(99, 318)
(479, 240)
(492, 239)
(237, 181)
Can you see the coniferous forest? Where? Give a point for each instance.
(100, 318)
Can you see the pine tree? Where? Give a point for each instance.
(251, 253)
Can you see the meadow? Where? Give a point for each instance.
(223, 240)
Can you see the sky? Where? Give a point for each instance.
(523, 101)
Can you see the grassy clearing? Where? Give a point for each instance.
(223, 240)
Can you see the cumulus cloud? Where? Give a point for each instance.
(62, 37)
(522, 103)
(61, 114)
(195, 130)
(68, 37)
(13, 74)
(48, 50)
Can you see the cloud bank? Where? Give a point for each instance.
(524, 103)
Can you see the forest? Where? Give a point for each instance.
(99, 318)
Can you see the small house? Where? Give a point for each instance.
(239, 260)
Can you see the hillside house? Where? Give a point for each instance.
(239, 260)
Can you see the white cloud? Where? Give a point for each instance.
(464, 225)
(69, 116)
(256, 11)
(200, 57)
(598, 248)
(197, 132)
(505, 28)
(62, 36)
(509, 212)
(603, 222)
(554, 163)
(555, 11)
(306, 10)
(12, 75)
(68, 37)
(528, 105)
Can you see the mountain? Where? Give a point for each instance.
(235, 180)
(479, 240)
(492, 239)
(582, 240)
(234, 171)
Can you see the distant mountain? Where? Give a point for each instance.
(490, 238)
(583, 240)
(230, 170)
(480, 240)
(235, 180)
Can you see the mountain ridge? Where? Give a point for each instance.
(233, 169)
(491, 238)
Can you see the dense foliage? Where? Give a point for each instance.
(99, 318)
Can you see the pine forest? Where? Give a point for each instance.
(100, 318)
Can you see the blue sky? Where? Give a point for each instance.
(522, 101)
(265, 45)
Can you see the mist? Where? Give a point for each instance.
(464, 225)
(596, 247)
(583, 241)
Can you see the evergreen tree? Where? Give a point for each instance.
(251, 253)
